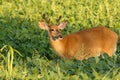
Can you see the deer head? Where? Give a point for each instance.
(53, 30)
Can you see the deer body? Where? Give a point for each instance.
(87, 43)
(82, 44)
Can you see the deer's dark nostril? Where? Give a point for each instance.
(60, 36)
(51, 29)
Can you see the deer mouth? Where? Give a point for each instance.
(57, 37)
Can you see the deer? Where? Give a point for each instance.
(82, 44)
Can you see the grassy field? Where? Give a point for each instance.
(25, 52)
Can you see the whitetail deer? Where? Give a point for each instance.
(82, 44)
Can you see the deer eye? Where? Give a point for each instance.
(51, 29)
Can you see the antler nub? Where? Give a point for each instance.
(58, 20)
(47, 20)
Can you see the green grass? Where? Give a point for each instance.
(35, 59)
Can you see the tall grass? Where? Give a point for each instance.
(19, 29)
(7, 58)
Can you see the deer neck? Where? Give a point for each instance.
(58, 46)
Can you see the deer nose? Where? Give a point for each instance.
(60, 36)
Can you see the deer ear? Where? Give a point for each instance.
(42, 25)
(62, 25)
